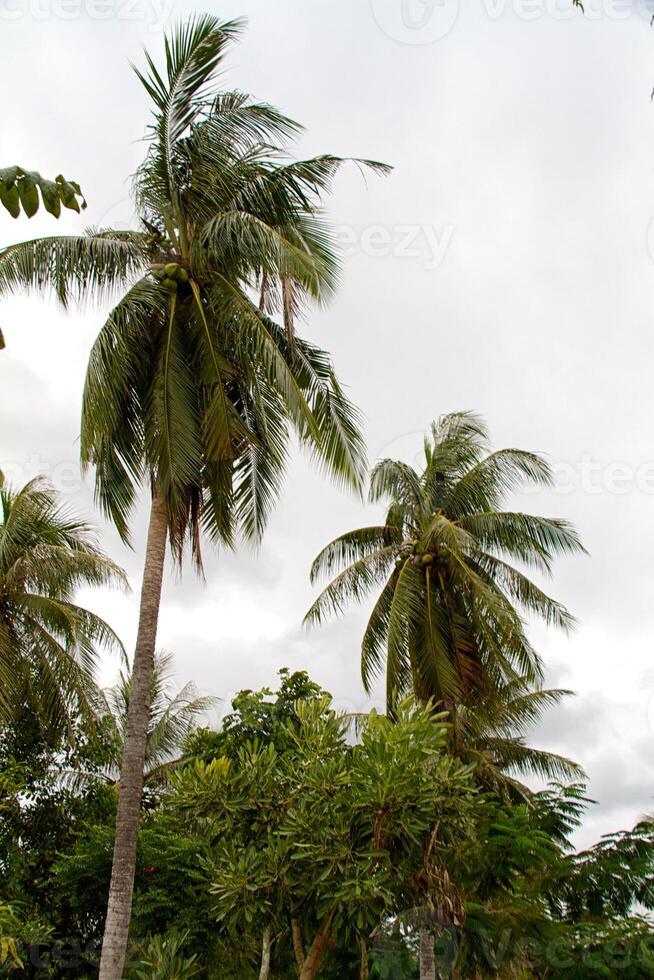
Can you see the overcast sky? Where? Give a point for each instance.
(505, 266)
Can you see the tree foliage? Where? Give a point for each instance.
(193, 385)
(19, 190)
(48, 644)
(449, 619)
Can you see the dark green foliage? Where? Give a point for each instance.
(264, 715)
(19, 189)
(41, 818)
(448, 622)
(277, 813)
(49, 645)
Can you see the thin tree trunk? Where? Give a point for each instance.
(363, 968)
(427, 957)
(266, 946)
(315, 952)
(298, 945)
(119, 909)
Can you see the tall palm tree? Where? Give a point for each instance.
(192, 387)
(48, 644)
(449, 617)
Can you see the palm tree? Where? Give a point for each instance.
(192, 387)
(48, 644)
(448, 620)
(173, 717)
(491, 734)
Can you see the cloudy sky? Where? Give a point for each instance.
(506, 266)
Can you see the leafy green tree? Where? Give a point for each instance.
(608, 879)
(19, 189)
(162, 959)
(167, 894)
(40, 819)
(448, 620)
(48, 643)
(326, 836)
(265, 716)
(269, 830)
(535, 907)
(192, 387)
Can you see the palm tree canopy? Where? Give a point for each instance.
(48, 644)
(449, 619)
(192, 383)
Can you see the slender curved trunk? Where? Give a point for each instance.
(427, 957)
(119, 908)
(364, 972)
(298, 945)
(266, 946)
(314, 955)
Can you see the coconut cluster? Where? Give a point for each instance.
(171, 275)
(412, 550)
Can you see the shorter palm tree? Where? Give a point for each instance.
(448, 621)
(173, 717)
(49, 645)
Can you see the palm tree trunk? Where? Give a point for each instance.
(119, 909)
(265, 954)
(427, 957)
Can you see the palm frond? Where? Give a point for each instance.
(193, 54)
(351, 546)
(49, 645)
(353, 583)
(86, 267)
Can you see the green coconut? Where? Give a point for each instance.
(169, 284)
(171, 269)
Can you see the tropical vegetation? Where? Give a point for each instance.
(192, 388)
(21, 191)
(139, 837)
